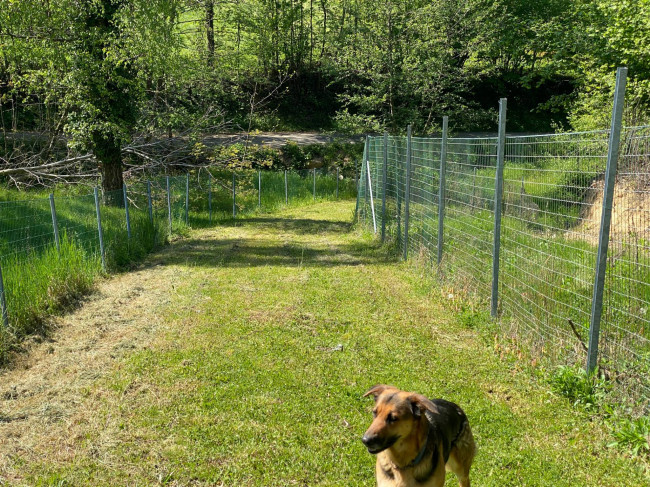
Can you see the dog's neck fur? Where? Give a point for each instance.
(405, 451)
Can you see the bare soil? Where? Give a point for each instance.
(630, 212)
(278, 139)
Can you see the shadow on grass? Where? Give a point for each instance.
(300, 226)
(280, 250)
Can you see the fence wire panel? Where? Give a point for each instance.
(376, 164)
(469, 216)
(625, 327)
(25, 227)
(423, 210)
(177, 185)
(77, 220)
(553, 189)
(547, 238)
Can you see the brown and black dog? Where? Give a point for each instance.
(417, 439)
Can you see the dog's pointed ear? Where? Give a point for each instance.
(376, 391)
(420, 403)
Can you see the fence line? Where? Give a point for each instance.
(552, 194)
(58, 234)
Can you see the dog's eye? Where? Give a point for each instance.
(391, 418)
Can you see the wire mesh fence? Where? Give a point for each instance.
(551, 210)
(52, 247)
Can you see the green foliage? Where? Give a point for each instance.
(632, 435)
(104, 69)
(614, 34)
(581, 389)
(356, 123)
(294, 154)
(288, 156)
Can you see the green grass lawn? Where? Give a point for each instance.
(280, 326)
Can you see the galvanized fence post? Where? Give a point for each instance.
(441, 186)
(286, 188)
(259, 188)
(359, 173)
(605, 221)
(337, 183)
(473, 205)
(3, 302)
(55, 224)
(372, 201)
(150, 210)
(234, 196)
(126, 211)
(383, 187)
(377, 169)
(187, 198)
(149, 202)
(169, 206)
(522, 191)
(99, 229)
(498, 198)
(210, 197)
(407, 191)
(398, 194)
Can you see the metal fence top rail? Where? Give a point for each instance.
(602, 132)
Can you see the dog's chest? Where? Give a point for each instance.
(388, 476)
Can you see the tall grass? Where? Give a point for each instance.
(42, 284)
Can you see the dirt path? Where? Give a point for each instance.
(278, 139)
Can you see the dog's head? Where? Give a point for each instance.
(396, 414)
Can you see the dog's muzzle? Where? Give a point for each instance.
(376, 444)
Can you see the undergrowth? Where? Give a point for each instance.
(632, 435)
(44, 284)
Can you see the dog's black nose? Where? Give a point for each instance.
(373, 443)
(368, 440)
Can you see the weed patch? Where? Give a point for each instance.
(581, 389)
(631, 435)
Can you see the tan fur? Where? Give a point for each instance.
(406, 424)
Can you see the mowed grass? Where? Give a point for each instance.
(281, 325)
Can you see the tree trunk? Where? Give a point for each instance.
(209, 28)
(322, 51)
(311, 33)
(108, 152)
